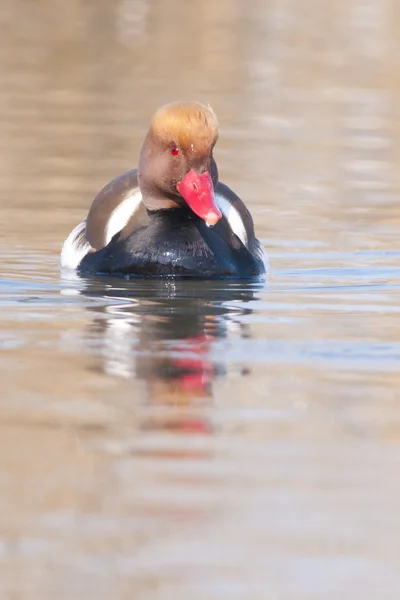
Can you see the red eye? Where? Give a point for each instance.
(174, 150)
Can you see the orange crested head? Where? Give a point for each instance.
(192, 126)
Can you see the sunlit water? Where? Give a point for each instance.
(171, 440)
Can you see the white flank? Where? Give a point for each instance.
(75, 247)
(121, 215)
(233, 217)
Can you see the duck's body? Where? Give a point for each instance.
(170, 217)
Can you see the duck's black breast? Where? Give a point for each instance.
(175, 243)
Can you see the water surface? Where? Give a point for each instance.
(165, 439)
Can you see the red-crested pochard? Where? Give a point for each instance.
(170, 216)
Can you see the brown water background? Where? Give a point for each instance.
(168, 441)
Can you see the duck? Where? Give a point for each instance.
(170, 216)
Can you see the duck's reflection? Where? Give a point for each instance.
(166, 334)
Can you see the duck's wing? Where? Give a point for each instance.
(117, 208)
(236, 214)
(235, 245)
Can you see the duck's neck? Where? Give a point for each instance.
(173, 216)
(154, 199)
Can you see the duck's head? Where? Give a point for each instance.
(176, 165)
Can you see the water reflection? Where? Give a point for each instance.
(162, 332)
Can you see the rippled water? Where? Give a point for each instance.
(183, 440)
